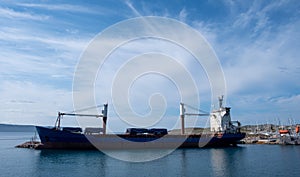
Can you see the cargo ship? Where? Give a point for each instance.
(223, 132)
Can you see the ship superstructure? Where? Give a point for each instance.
(220, 120)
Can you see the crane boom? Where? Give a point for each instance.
(73, 114)
(192, 114)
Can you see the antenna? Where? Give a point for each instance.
(221, 101)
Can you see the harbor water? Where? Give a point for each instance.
(244, 160)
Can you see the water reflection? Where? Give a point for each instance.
(219, 162)
(224, 161)
(138, 155)
(70, 163)
(181, 162)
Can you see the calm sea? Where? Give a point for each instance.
(245, 160)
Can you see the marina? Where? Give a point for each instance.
(282, 135)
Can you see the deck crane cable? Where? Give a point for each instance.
(196, 109)
(87, 108)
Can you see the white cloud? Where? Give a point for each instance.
(29, 52)
(24, 35)
(253, 48)
(133, 9)
(257, 17)
(31, 103)
(259, 56)
(259, 64)
(12, 14)
(37, 66)
(183, 15)
(69, 8)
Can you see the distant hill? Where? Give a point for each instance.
(16, 128)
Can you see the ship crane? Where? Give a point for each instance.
(183, 114)
(103, 115)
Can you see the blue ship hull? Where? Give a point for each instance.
(62, 139)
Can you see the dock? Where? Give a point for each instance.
(30, 145)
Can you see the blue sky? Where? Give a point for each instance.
(257, 43)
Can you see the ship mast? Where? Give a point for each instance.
(182, 113)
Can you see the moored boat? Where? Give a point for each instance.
(290, 136)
